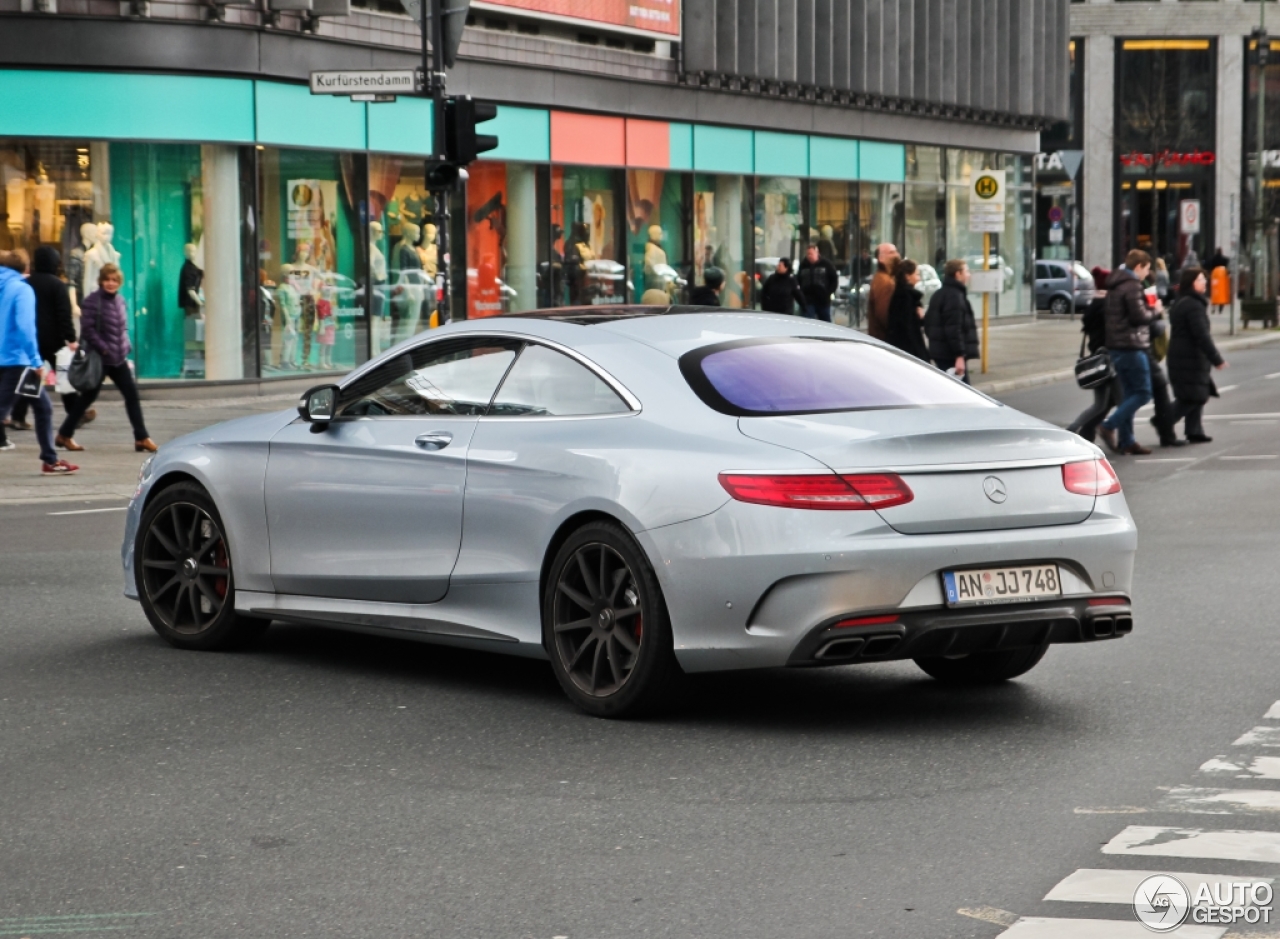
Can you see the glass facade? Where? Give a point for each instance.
(246, 261)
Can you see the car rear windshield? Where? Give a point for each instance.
(761, 377)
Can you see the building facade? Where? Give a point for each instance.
(266, 232)
(1163, 109)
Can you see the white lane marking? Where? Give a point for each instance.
(1093, 885)
(1227, 388)
(1259, 456)
(1273, 712)
(1044, 927)
(1220, 801)
(1259, 737)
(1167, 459)
(114, 508)
(1253, 423)
(1109, 810)
(1262, 767)
(989, 914)
(1266, 415)
(1154, 841)
(1272, 375)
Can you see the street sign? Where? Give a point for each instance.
(986, 281)
(1055, 236)
(986, 201)
(1055, 214)
(403, 81)
(1071, 160)
(1189, 217)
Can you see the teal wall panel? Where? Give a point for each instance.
(291, 116)
(833, 158)
(115, 106)
(781, 154)
(723, 149)
(681, 146)
(402, 127)
(882, 162)
(523, 134)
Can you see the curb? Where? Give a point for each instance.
(1048, 378)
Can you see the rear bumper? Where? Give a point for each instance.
(943, 632)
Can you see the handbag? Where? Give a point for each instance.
(85, 371)
(1094, 370)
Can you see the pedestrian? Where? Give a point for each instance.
(709, 293)
(881, 292)
(906, 311)
(1128, 339)
(20, 351)
(1094, 326)
(1192, 355)
(1220, 285)
(54, 326)
(949, 322)
(818, 282)
(781, 291)
(1161, 275)
(1218, 260)
(103, 328)
(1162, 420)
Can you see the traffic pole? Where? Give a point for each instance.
(986, 299)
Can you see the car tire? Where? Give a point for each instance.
(983, 668)
(1059, 306)
(605, 625)
(184, 574)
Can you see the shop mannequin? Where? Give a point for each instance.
(654, 256)
(190, 279)
(289, 307)
(406, 301)
(306, 281)
(429, 255)
(101, 254)
(75, 261)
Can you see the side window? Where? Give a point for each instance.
(451, 377)
(546, 383)
(1042, 272)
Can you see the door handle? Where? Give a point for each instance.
(434, 441)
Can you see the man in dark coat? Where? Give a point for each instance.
(1192, 354)
(818, 282)
(54, 325)
(949, 322)
(709, 293)
(780, 292)
(1128, 339)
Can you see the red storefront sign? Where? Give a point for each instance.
(660, 17)
(1168, 158)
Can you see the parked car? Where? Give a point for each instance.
(1053, 286)
(633, 492)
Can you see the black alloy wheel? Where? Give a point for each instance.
(605, 624)
(182, 566)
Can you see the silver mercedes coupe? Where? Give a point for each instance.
(635, 494)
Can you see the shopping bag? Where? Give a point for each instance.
(61, 362)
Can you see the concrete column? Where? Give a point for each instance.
(100, 178)
(1228, 159)
(522, 236)
(223, 326)
(1097, 208)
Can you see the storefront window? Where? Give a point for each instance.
(503, 254)
(589, 234)
(656, 241)
(721, 223)
(403, 254)
(312, 262)
(833, 208)
(779, 224)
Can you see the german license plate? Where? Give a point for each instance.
(1001, 585)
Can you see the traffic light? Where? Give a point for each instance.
(461, 142)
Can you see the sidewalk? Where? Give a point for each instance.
(1024, 352)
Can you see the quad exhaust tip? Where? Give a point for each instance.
(844, 649)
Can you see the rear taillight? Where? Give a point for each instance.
(867, 621)
(819, 491)
(1090, 478)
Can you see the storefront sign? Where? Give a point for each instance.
(986, 201)
(1168, 158)
(658, 17)
(1189, 216)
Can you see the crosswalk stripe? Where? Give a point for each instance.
(1150, 840)
(1259, 737)
(1260, 767)
(1220, 801)
(1044, 927)
(1095, 885)
(1273, 712)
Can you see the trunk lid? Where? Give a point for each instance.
(970, 469)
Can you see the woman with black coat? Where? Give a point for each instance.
(1192, 354)
(781, 290)
(906, 311)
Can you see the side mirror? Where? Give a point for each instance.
(318, 405)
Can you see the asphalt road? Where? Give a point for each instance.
(332, 785)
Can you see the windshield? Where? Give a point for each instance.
(757, 377)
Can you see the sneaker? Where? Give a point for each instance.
(61, 468)
(8, 445)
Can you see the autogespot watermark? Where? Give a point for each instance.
(1162, 902)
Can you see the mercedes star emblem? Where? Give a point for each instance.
(993, 486)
